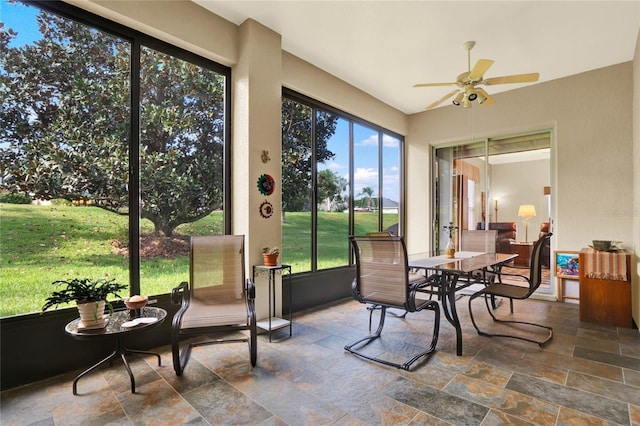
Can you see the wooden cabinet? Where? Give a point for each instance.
(604, 301)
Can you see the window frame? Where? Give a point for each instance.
(316, 105)
(138, 40)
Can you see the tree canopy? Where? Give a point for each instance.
(66, 127)
(65, 124)
(331, 188)
(297, 145)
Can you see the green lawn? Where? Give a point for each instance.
(41, 244)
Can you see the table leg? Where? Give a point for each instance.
(122, 351)
(448, 297)
(90, 369)
(454, 313)
(131, 378)
(136, 351)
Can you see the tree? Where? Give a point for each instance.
(297, 143)
(331, 186)
(367, 191)
(65, 124)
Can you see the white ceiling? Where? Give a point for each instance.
(384, 47)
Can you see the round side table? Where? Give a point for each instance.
(115, 328)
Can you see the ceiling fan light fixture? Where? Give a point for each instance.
(468, 80)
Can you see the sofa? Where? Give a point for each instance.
(506, 236)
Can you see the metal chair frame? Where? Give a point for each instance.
(515, 292)
(384, 282)
(183, 293)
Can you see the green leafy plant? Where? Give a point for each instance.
(270, 250)
(83, 290)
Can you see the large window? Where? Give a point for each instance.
(113, 149)
(341, 176)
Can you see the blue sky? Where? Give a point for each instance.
(20, 16)
(22, 19)
(366, 159)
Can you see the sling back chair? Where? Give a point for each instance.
(382, 279)
(371, 308)
(218, 298)
(483, 241)
(480, 241)
(514, 291)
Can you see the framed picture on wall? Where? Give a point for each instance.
(567, 264)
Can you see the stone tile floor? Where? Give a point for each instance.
(587, 375)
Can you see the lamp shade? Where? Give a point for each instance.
(527, 210)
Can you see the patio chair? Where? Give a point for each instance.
(218, 298)
(514, 291)
(480, 241)
(382, 279)
(371, 308)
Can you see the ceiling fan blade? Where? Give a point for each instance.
(489, 100)
(434, 84)
(479, 69)
(441, 100)
(519, 78)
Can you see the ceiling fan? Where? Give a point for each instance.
(467, 82)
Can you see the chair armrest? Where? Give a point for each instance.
(178, 293)
(427, 282)
(506, 274)
(250, 287)
(355, 292)
(421, 286)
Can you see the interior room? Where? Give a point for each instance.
(316, 132)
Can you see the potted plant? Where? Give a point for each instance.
(270, 256)
(89, 294)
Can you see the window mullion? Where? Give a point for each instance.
(134, 172)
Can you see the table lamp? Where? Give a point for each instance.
(527, 211)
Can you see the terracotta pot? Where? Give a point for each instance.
(270, 259)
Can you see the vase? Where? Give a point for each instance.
(92, 313)
(450, 249)
(270, 259)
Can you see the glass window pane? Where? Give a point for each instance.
(342, 149)
(332, 155)
(365, 179)
(297, 143)
(64, 146)
(477, 185)
(391, 184)
(181, 165)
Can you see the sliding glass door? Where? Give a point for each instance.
(502, 184)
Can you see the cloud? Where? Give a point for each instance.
(332, 166)
(390, 141)
(387, 141)
(364, 177)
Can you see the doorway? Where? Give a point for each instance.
(501, 183)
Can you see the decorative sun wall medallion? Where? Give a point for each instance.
(266, 209)
(266, 184)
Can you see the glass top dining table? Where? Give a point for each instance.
(463, 270)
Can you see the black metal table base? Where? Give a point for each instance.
(120, 351)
